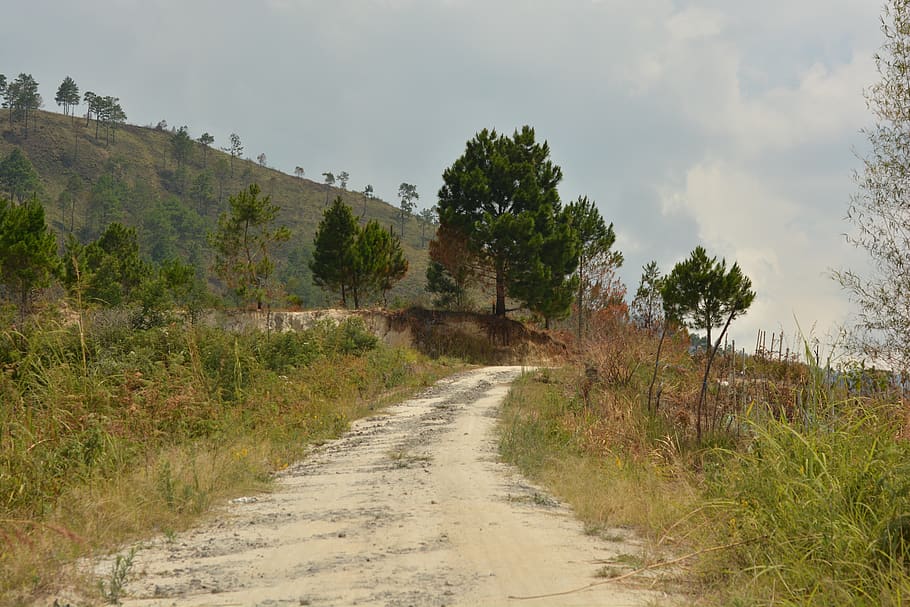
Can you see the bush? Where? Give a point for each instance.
(819, 509)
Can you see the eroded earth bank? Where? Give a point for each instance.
(411, 507)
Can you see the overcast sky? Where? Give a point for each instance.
(731, 124)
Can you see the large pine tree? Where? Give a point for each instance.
(502, 195)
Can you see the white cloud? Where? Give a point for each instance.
(779, 245)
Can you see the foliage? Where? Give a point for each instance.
(158, 425)
(450, 269)
(333, 244)
(107, 271)
(22, 98)
(817, 510)
(355, 261)
(28, 251)
(595, 240)
(18, 176)
(647, 306)
(879, 210)
(68, 95)
(702, 293)
(107, 112)
(377, 262)
(205, 140)
(105, 203)
(244, 243)
(407, 194)
(181, 146)
(501, 195)
(544, 282)
(235, 149)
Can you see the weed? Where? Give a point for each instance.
(158, 424)
(112, 591)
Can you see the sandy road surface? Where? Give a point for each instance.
(409, 508)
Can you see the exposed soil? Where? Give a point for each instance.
(411, 507)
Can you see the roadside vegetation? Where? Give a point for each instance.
(797, 493)
(112, 433)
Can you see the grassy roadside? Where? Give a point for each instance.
(110, 434)
(548, 432)
(800, 497)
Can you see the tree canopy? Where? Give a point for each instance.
(28, 251)
(22, 98)
(647, 306)
(109, 270)
(181, 146)
(701, 293)
(244, 244)
(595, 239)
(353, 261)
(879, 209)
(501, 194)
(18, 176)
(333, 243)
(67, 95)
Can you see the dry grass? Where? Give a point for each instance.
(797, 496)
(160, 426)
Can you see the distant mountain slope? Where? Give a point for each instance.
(87, 182)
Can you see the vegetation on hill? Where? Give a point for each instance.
(172, 189)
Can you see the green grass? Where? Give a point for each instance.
(159, 425)
(803, 502)
(819, 510)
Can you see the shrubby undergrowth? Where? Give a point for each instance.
(110, 432)
(800, 494)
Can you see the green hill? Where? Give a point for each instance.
(88, 181)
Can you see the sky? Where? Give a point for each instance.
(731, 124)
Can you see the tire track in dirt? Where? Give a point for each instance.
(410, 507)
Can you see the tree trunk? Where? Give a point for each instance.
(500, 292)
(660, 345)
(704, 382)
(579, 300)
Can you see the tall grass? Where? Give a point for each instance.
(595, 457)
(157, 425)
(818, 509)
(800, 496)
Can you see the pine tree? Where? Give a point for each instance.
(703, 294)
(18, 176)
(68, 96)
(28, 251)
(244, 244)
(357, 262)
(501, 195)
(595, 240)
(333, 244)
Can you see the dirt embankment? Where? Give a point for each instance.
(478, 338)
(411, 507)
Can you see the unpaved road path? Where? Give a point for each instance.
(410, 507)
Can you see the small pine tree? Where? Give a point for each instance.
(334, 240)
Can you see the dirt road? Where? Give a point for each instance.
(411, 507)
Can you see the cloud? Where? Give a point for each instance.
(779, 244)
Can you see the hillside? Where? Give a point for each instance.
(87, 182)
